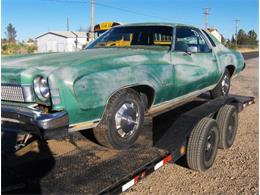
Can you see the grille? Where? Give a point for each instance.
(12, 93)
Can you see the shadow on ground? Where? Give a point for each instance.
(91, 167)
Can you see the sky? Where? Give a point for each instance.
(32, 18)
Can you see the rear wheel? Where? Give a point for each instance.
(227, 119)
(222, 89)
(203, 144)
(122, 120)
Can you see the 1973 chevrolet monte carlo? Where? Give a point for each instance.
(129, 72)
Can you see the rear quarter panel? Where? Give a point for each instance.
(226, 57)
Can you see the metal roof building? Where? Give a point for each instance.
(61, 41)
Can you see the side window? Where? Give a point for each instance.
(203, 45)
(162, 38)
(209, 38)
(187, 37)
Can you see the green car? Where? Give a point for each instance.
(129, 72)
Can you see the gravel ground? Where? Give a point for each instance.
(235, 171)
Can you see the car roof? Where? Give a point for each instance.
(155, 24)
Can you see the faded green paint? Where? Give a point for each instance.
(87, 79)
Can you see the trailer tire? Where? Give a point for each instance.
(122, 120)
(203, 144)
(227, 119)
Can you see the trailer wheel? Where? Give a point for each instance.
(203, 144)
(122, 121)
(227, 119)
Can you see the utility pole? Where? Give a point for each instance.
(237, 23)
(68, 24)
(92, 21)
(206, 13)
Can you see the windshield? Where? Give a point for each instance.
(135, 37)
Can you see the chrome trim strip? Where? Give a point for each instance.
(10, 120)
(162, 107)
(84, 125)
(153, 111)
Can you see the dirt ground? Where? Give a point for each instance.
(235, 170)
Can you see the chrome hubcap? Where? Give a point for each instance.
(127, 119)
(225, 85)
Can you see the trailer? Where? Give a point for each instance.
(193, 131)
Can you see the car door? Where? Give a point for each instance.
(194, 63)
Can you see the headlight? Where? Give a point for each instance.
(41, 88)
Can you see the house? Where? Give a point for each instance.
(215, 33)
(61, 41)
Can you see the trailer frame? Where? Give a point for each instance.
(173, 144)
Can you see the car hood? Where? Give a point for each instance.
(23, 68)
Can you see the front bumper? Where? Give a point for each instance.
(45, 125)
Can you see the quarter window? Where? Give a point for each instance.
(210, 39)
(187, 37)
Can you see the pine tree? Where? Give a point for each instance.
(11, 33)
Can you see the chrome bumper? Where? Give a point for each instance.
(47, 126)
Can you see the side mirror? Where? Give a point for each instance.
(192, 49)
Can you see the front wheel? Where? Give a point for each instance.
(222, 89)
(122, 121)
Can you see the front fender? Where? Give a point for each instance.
(94, 90)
